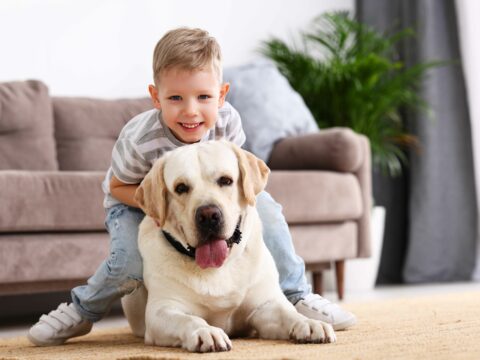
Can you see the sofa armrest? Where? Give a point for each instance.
(364, 176)
(335, 149)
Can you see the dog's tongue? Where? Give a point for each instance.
(211, 254)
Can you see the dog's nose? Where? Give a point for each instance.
(209, 218)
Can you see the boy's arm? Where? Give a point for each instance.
(123, 192)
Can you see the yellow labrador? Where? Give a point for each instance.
(207, 272)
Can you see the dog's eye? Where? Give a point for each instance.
(181, 188)
(224, 181)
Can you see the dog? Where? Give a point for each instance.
(207, 272)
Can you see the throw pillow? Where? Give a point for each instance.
(270, 109)
(26, 127)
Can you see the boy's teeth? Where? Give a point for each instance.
(190, 126)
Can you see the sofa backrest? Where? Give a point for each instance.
(26, 127)
(86, 129)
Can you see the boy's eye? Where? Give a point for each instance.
(175, 98)
(204, 97)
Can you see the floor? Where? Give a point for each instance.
(378, 293)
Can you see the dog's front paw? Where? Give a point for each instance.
(312, 331)
(208, 339)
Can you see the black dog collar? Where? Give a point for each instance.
(190, 251)
(178, 246)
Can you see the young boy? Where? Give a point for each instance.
(189, 106)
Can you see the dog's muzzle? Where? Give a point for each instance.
(236, 238)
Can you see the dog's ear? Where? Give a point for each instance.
(253, 174)
(151, 194)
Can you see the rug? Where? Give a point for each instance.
(438, 327)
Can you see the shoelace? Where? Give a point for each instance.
(63, 316)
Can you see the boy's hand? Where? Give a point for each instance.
(123, 192)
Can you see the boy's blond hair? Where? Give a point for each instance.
(187, 49)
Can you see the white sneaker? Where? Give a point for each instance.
(316, 307)
(58, 326)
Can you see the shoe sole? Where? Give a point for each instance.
(41, 343)
(346, 324)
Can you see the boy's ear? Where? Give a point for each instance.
(224, 88)
(154, 96)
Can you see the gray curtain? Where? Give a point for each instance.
(441, 209)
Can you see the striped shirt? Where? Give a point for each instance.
(146, 138)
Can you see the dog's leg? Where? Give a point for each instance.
(168, 326)
(280, 320)
(134, 306)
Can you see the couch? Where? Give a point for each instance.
(54, 152)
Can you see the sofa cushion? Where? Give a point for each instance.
(51, 201)
(72, 201)
(310, 197)
(270, 109)
(41, 257)
(86, 129)
(26, 127)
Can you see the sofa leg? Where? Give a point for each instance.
(317, 282)
(340, 274)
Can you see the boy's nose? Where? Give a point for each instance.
(190, 109)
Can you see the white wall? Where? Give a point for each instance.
(103, 48)
(469, 28)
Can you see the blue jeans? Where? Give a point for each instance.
(121, 273)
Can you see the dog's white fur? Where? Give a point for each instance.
(186, 306)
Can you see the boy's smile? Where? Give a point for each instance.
(189, 101)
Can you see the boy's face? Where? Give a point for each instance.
(189, 101)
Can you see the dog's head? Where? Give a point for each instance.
(198, 194)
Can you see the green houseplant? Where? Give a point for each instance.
(349, 75)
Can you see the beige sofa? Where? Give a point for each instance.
(54, 152)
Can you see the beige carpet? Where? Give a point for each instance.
(439, 327)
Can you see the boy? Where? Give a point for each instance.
(189, 106)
